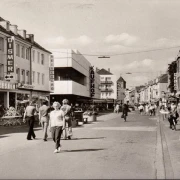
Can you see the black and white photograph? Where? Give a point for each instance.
(89, 89)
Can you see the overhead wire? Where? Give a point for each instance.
(119, 54)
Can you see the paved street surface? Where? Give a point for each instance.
(109, 148)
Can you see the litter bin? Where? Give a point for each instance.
(79, 117)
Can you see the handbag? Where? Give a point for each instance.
(122, 116)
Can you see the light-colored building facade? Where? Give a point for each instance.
(108, 86)
(24, 66)
(121, 88)
(154, 90)
(74, 77)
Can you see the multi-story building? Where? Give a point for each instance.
(74, 77)
(121, 88)
(108, 86)
(154, 90)
(24, 66)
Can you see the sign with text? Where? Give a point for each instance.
(10, 55)
(51, 73)
(7, 85)
(24, 86)
(175, 81)
(92, 81)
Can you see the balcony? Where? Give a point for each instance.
(106, 90)
(106, 82)
(70, 87)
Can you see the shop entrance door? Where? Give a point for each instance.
(1, 98)
(12, 99)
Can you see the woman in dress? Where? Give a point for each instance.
(57, 125)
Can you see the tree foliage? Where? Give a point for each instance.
(172, 68)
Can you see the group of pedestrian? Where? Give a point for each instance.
(147, 109)
(125, 109)
(171, 112)
(56, 119)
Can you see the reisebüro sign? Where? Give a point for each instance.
(10, 55)
(92, 81)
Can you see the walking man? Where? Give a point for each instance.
(29, 117)
(68, 117)
(125, 111)
(44, 118)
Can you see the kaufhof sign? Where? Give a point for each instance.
(10, 55)
(51, 73)
(92, 81)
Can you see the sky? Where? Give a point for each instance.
(119, 28)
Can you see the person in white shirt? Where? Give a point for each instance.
(57, 125)
(141, 108)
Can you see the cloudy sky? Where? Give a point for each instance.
(119, 28)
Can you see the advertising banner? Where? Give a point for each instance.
(10, 55)
(51, 74)
(92, 81)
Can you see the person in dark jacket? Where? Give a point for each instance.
(125, 110)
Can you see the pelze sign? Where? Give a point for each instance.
(92, 81)
(51, 73)
(10, 55)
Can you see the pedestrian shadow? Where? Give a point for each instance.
(3, 136)
(88, 138)
(82, 150)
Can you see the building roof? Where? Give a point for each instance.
(104, 72)
(121, 79)
(27, 39)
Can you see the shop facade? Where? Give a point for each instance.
(74, 77)
(24, 67)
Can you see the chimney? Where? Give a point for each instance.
(22, 33)
(5, 24)
(14, 29)
(31, 37)
(109, 69)
(97, 69)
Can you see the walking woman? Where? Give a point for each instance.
(57, 125)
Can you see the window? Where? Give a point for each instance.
(23, 75)
(38, 78)
(27, 77)
(42, 79)
(17, 50)
(42, 59)
(33, 77)
(18, 75)
(33, 55)
(27, 53)
(1, 44)
(38, 57)
(22, 52)
(1, 71)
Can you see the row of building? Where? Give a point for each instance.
(29, 71)
(161, 89)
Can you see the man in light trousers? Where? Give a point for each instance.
(44, 118)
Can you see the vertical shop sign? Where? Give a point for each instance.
(92, 81)
(51, 73)
(175, 82)
(10, 55)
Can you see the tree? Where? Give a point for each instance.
(172, 68)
